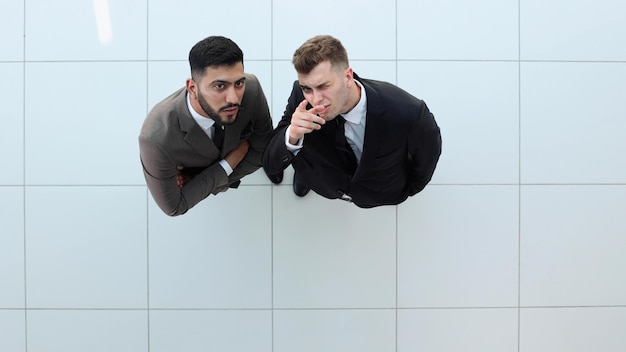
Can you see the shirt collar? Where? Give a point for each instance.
(357, 114)
(204, 122)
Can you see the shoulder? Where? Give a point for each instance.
(251, 78)
(390, 97)
(165, 113)
(172, 103)
(253, 85)
(254, 91)
(386, 89)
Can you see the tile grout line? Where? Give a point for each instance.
(272, 185)
(519, 175)
(352, 60)
(611, 184)
(148, 337)
(422, 308)
(24, 175)
(397, 266)
(397, 259)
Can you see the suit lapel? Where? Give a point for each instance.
(375, 125)
(194, 135)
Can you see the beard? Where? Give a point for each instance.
(214, 115)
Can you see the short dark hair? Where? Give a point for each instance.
(213, 51)
(318, 49)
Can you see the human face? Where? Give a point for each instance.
(329, 87)
(219, 93)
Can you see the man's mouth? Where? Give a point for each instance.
(231, 110)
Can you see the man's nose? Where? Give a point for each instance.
(317, 98)
(231, 96)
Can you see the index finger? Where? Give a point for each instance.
(302, 106)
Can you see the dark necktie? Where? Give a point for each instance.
(345, 151)
(218, 136)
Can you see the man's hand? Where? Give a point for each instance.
(182, 178)
(304, 121)
(235, 156)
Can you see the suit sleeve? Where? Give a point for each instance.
(277, 157)
(160, 172)
(424, 147)
(258, 135)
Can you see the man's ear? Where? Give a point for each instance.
(349, 72)
(349, 75)
(192, 88)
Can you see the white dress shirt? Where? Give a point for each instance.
(355, 124)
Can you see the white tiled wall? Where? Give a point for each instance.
(517, 245)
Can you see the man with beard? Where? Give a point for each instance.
(205, 137)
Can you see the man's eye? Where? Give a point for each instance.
(306, 89)
(240, 84)
(219, 86)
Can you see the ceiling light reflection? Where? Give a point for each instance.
(103, 21)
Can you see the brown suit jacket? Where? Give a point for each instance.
(170, 140)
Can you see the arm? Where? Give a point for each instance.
(298, 121)
(276, 157)
(161, 173)
(424, 147)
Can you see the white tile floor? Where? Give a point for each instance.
(12, 131)
(458, 330)
(481, 126)
(458, 247)
(580, 103)
(78, 254)
(519, 237)
(211, 258)
(458, 30)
